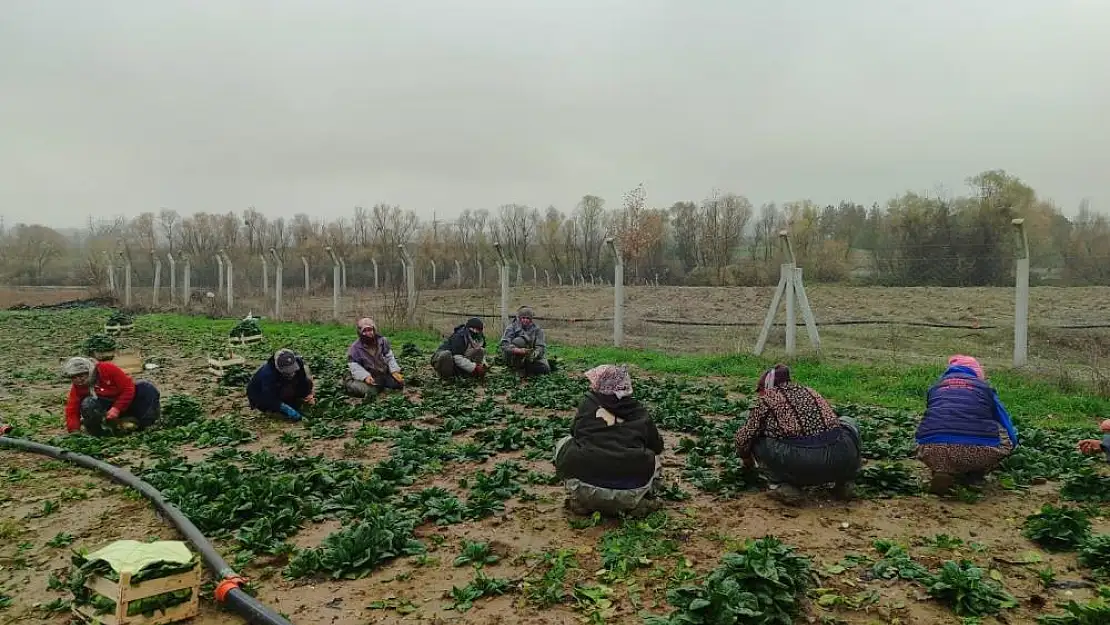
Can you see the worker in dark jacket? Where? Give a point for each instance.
(282, 385)
(959, 437)
(611, 460)
(463, 353)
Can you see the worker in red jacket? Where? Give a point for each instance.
(102, 391)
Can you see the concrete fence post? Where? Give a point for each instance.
(126, 279)
(230, 282)
(173, 277)
(219, 273)
(375, 263)
(504, 266)
(304, 261)
(547, 277)
(479, 265)
(434, 281)
(279, 282)
(343, 274)
(265, 275)
(336, 277)
(1021, 298)
(410, 282)
(186, 280)
(157, 280)
(458, 274)
(535, 278)
(110, 269)
(519, 275)
(618, 293)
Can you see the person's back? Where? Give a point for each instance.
(614, 443)
(959, 406)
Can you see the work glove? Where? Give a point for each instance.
(397, 376)
(1090, 447)
(5, 428)
(113, 414)
(290, 412)
(369, 380)
(520, 351)
(311, 399)
(480, 370)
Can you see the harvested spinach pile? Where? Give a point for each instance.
(99, 343)
(237, 376)
(764, 583)
(120, 318)
(85, 568)
(246, 327)
(1058, 528)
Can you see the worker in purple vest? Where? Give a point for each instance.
(961, 435)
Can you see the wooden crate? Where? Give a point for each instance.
(118, 329)
(245, 340)
(123, 593)
(218, 367)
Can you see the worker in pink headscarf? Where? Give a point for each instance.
(1093, 446)
(371, 365)
(961, 434)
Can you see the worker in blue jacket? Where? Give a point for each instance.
(961, 435)
(282, 385)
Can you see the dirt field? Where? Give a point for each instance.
(417, 589)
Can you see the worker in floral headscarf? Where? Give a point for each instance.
(793, 434)
(371, 365)
(960, 434)
(611, 459)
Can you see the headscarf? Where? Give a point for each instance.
(610, 380)
(959, 360)
(78, 366)
(476, 324)
(775, 376)
(365, 323)
(285, 360)
(527, 312)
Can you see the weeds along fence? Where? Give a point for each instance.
(1062, 326)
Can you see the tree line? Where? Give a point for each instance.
(915, 239)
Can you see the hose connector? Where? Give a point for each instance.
(225, 586)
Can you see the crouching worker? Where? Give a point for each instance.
(103, 395)
(1089, 447)
(463, 354)
(282, 385)
(371, 365)
(524, 346)
(611, 460)
(959, 437)
(794, 436)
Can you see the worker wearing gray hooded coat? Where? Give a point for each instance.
(524, 345)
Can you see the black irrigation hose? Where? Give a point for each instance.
(228, 590)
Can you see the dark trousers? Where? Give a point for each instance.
(833, 457)
(145, 409)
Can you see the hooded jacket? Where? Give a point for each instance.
(619, 456)
(461, 340)
(962, 409)
(109, 382)
(267, 386)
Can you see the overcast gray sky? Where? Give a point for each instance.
(124, 106)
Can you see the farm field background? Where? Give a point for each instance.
(446, 465)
